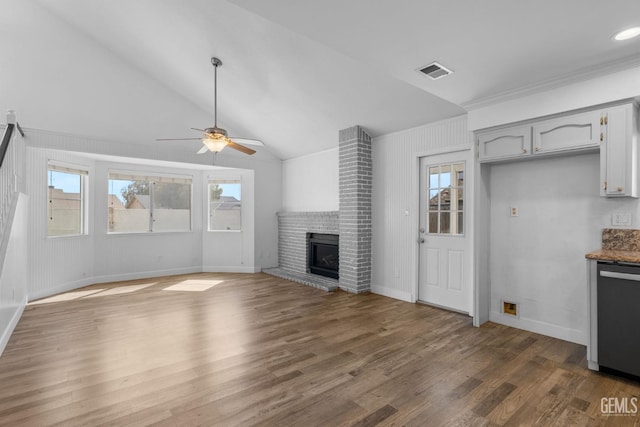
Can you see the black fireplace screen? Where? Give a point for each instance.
(323, 255)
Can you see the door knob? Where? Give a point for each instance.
(422, 230)
(421, 240)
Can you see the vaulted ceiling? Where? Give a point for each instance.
(294, 72)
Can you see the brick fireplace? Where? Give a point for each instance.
(352, 223)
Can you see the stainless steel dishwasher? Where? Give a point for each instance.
(619, 317)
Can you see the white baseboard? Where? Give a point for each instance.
(539, 327)
(230, 269)
(392, 293)
(7, 329)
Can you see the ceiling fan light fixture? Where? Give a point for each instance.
(216, 144)
(627, 34)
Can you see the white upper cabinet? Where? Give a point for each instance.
(612, 130)
(574, 132)
(509, 143)
(619, 155)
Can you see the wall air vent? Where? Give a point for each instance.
(435, 71)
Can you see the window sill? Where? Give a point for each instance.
(146, 233)
(68, 236)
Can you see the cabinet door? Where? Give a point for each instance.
(505, 144)
(619, 156)
(578, 131)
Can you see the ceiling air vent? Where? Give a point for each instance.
(435, 71)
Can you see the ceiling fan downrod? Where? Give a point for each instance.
(216, 63)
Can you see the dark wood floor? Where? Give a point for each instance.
(257, 350)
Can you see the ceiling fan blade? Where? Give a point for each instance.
(203, 149)
(199, 130)
(249, 141)
(241, 148)
(178, 139)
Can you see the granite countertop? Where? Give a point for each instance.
(615, 255)
(618, 245)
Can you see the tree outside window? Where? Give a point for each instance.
(139, 204)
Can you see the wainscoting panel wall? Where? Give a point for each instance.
(61, 263)
(395, 201)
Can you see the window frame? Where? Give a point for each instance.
(152, 178)
(228, 179)
(83, 172)
(439, 193)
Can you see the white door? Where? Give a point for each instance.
(444, 254)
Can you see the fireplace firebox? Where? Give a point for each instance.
(323, 255)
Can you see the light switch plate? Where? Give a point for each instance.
(621, 219)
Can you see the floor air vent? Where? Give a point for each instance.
(435, 71)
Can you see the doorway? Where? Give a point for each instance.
(444, 255)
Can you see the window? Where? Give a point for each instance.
(140, 204)
(446, 199)
(66, 201)
(225, 205)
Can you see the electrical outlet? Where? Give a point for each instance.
(621, 219)
(513, 211)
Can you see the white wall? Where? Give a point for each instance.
(395, 201)
(310, 183)
(537, 258)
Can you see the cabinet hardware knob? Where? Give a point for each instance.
(619, 189)
(604, 187)
(606, 120)
(601, 120)
(537, 148)
(601, 136)
(524, 151)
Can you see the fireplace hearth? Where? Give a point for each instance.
(323, 257)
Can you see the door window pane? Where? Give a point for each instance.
(433, 222)
(434, 174)
(434, 200)
(445, 222)
(446, 199)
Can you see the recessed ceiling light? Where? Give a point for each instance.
(627, 34)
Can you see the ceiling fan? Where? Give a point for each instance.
(215, 138)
